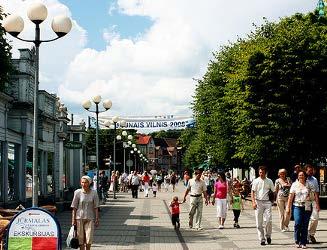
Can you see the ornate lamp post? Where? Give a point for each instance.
(114, 122)
(125, 145)
(14, 24)
(106, 105)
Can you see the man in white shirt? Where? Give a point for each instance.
(315, 203)
(261, 187)
(196, 187)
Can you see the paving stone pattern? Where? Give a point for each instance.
(145, 224)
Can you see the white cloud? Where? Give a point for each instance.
(54, 56)
(151, 74)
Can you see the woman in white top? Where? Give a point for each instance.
(85, 214)
(282, 189)
(300, 197)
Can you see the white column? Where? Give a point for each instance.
(61, 167)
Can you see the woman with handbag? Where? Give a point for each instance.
(85, 213)
(300, 197)
(282, 187)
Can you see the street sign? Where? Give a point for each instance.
(92, 158)
(32, 229)
(73, 145)
(129, 163)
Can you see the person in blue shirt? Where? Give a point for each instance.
(315, 203)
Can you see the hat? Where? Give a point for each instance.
(88, 178)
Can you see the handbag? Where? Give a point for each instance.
(271, 196)
(74, 243)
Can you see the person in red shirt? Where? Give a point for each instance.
(146, 181)
(174, 205)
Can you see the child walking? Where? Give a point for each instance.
(154, 189)
(175, 212)
(237, 205)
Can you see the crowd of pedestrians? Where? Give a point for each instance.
(296, 196)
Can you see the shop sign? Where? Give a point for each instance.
(73, 145)
(33, 229)
(155, 122)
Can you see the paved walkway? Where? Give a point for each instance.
(144, 223)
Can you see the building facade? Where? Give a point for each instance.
(166, 154)
(147, 147)
(16, 139)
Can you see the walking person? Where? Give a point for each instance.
(112, 181)
(159, 181)
(134, 183)
(315, 203)
(175, 211)
(220, 198)
(103, 186)
(237, 205)
(173, 180)
(295, 173)
(300, 197)
(210, 183)
(282, 189)
(145, 182)
(261, 187)
(154, 189)
(296, 170)
(186, 178)
(196, 187)
(166, 182)
(85, 214)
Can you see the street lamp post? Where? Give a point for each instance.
(114, 122)
(134, 151)
(106, 105)
(129, 144)
(125, 144)
(14, 24)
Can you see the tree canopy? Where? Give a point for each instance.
(6, 67)
(263, 99)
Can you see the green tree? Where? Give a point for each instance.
(263, 99)
(5, 57)
(106, 140)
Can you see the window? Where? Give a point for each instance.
(50, 181)
(76, 137)
(11, 171)
(29, 172)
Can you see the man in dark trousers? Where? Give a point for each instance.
(103, 186)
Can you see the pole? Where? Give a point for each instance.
(129, 158)
(35, 124)
(114, 183)
(124, 159)
(97, 144)
(135, 161)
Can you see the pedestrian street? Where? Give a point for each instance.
(144, 223)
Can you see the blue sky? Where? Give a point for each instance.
(141, 54)
(97, 15)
